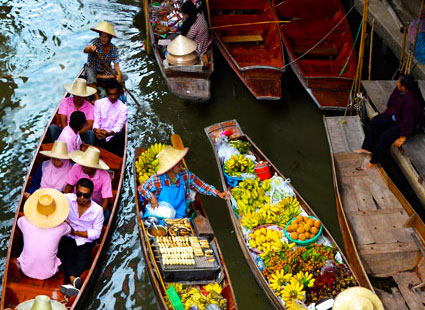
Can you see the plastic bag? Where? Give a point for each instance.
(280, 189)
(224, 149)
(163, 211)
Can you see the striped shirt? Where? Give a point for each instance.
(154, 185)
(199, 33)
(110, 56)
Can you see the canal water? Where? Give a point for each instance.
(41, 43)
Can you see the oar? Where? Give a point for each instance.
(177, 143)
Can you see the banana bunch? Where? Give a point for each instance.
(249, 196)
(241, 146)
(267, 240)
(251, 220)
(213, 287)
(193, 297)
(238, 164)
(266, 185)
(290, 208)
(147, 163)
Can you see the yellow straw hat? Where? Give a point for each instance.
(59, 150)
(106, 28)
(357, 298)
(41, 302)
(46, 208)
(89, 158)
(169, 157)
(79, 88)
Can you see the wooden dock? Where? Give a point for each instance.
(411, 156)
(383, 236)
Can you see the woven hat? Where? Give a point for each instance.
(181, 46)
(169, 157)
(41, 302)
(106, 28)
(46, 208)
(89, 158)
(357, 298)
(59, 150)
(79, 88)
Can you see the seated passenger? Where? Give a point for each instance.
(172, 184)
(52, 173)
(86, 221)
(77, 102)
(70, 134)
(89, 165)
(42, 227)
(110, 116)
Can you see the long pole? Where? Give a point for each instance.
(371, 49)
(409, 68)
(403, 49)
(147, 45)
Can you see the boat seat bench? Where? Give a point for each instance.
(317, 51)
(242, 38)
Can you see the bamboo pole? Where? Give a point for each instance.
(148, 43)
(403, 49)
(371, 49)
(208, 12)
(409, 67)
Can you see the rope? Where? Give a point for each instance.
(352, 49)
(256, 23)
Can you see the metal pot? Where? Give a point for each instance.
(184, 60)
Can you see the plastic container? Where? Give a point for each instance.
(231, 181)
(305, 242)
(263, 171)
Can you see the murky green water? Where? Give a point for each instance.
(41, 45)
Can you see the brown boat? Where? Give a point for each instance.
(233, 127)
(248, 37)
(187, 82)
(383, 235)
(17, 287)
(153, 265)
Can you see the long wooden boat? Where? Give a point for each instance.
(186, 82)
(319, 45)
(17, 287)
(383, 235)
(248, 37)
(232, 126)
(204, 229)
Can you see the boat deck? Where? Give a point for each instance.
(387, 241)
(410, 156)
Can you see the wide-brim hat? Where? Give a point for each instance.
(357, 298)
(41, 302)
(59, 150)
(89, 158)
(181, 46)
(46, 208)
(169, 157)
(106, 28)
(79, 88)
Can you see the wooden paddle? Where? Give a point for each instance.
(177, 142)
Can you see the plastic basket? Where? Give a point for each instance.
(305, 242)
(231, 181)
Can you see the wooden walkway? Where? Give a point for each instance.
(376, 220)
(411, 156)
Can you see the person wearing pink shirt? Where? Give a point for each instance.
(86, 220)
(70, 134)
(43, 227)
(110, 116)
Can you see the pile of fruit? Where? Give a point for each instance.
(147, 163)
(249, 195)
(266, 239)
(238, 164)
(242, 147)
(303, 228)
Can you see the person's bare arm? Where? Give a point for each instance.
(62, 120)
(90, 49)
(68, 189)
(89, 125)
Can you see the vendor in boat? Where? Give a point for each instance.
(195, 27)
(403, 117)
(102, 52)
(71, 133)
(77, 102)
(42, 227)
(172, 184)
(52, 173)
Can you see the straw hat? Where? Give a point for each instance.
(79, 88)
(89, 158)
(181, 46)
(169, 157)
(357, 298)
(59, 150)
(106, 28)
(41, 302)
(46, 208)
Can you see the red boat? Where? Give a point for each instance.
(247, 34)
(319, 44)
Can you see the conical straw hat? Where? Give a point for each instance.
(89, 158)
(79, 88)
(169, 157)
(59, 150)
(181, 46)
(46, 208)
(106, 28)
(357, 298)
(41, 302)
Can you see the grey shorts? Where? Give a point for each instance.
(91, 75)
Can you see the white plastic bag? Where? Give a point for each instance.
(280, 189)
(224, 149)
(163, 211)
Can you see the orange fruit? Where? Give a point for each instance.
(301, 237)
(307, 227)
(289, 228)
(300, 218)
(300, 230)
(294, 236)
(310, 222)
(317, 224)
(307, 235)
(294, 222)
(314, 230)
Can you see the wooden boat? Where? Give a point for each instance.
(248, 37)
(213, 132)
(17, 287)
(381, 231)
(204, 229)
(186, 82)
(319, 43)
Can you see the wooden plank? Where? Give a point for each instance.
(363, 196)
(415, 298)
(414, 148)
(393, 301)
(347, 193)
(344, 136)
(360, 230)
(242, 38)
